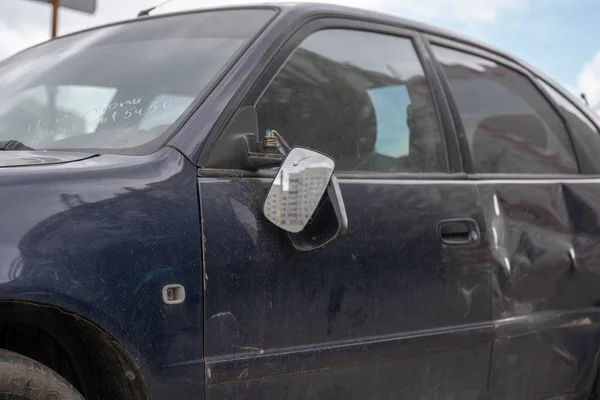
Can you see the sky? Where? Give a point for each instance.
(558, 37)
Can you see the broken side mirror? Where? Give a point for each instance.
(305, 200)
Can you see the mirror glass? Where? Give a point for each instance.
(298, 188)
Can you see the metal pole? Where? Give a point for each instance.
(55, 5)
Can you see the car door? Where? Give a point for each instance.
(533, 156)
(399, 307)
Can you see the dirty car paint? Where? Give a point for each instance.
(99, 239)
(385, 309)
(545, 251)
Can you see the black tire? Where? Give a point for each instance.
(22, 378)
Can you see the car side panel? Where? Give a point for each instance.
(386, 311)
(98, 239)
(544, 239)
(408, 377)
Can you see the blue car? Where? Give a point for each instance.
(299, 201)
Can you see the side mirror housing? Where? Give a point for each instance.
(305, 200)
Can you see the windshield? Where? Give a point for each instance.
(119, 88)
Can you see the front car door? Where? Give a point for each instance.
(534, 154)
(400, 306)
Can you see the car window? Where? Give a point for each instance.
(510, 126)
(118, 89)
(72, 117)
(164, 109)
(360, 97)
(584, 131)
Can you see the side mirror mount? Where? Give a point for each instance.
(305, 200)
(240, 148)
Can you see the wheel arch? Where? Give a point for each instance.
(91, 358)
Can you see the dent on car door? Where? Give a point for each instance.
(542, 221)
(387, 310)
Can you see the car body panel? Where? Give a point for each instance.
(544, 246)
(22, 158)
(99, 238)
(386, 297)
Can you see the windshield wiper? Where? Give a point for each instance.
(13, 145)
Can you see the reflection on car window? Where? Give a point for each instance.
(584, 131)
(361, 98)
(167, 108)
(77, 110)
(119, 88)
(392, 128)
(510, 126)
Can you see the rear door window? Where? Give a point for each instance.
(510, 126)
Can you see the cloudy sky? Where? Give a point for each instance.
(557, 36)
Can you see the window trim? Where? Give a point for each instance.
(433, 40)
(280, 55)
(367, 175)
(594, 119)
(460, 136)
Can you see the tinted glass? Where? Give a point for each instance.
(360, 97)
(585, 133)
(510, 126)
(119, 88)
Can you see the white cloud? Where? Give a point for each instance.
(14, 40)
(588, 81)
(24, 23)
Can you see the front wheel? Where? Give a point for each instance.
(22, 378)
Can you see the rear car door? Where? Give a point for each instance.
(399, 307)
(534, 156)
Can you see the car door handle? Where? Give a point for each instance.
(458, 232)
